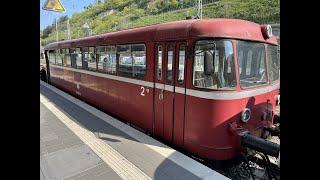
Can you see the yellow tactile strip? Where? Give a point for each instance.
(124, 168)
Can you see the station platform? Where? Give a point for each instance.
(78, 141)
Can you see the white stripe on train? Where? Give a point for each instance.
(215, 95)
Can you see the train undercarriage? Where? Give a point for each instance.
(260, 158)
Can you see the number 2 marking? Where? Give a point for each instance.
(142, 92)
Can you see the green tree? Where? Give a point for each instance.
(110, 15)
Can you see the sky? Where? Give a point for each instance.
(70, 6)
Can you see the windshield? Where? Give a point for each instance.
(251, 62)
(213, 66)
(273, 63)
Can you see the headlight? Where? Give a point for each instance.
(246, 115)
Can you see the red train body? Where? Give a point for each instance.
(202, 119)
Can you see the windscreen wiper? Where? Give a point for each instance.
(213, 47)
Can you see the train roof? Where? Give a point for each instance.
(184, 29)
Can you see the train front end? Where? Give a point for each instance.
(258, 66)
(236, 82)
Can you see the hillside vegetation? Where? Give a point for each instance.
(113, 15)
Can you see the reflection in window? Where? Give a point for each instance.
(78, 58)
(125, 60)
(111, 60)
(66, 58)
(58, 57)
(73, 58)
(159, 64)
(139, 60)
(132, 60)
(248, 63)
(273, 63)
(89, 59)
(102, 58)
(182, 53)
(107, 59)
(222, 75)
(169, 62)
(52, 57)
(251, 57)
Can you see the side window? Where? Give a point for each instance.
(219, 70)
(159, 64)
(252, 58)
(111, 60)
(78, 58)
(89, 59)
(125, 60)
(182, 55)
(169, 62)
(132, 60)
(252, 67)
(52, 57)
(107, 59)
(273, 63)
(139, 60)
(59, 57)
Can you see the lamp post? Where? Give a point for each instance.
(86, 29)
(68, 26)
(57, 33)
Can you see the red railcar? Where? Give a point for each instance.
(199, 84)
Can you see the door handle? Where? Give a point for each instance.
(161, 95)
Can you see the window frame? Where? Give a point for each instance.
(193, 46)
(265, 64)
(78, 50)
(105, 51)
(184, 63)
(118, 60)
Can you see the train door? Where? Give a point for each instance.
(169, 80)
(168, 93)
(164, 90)
(159, 89)
(179, 93)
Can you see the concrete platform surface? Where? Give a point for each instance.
(78, 141)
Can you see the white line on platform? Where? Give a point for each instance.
(124, 168)
(182, 160)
